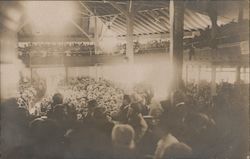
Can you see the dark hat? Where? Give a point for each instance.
(57, 98)
(92, 103)
(127, 97)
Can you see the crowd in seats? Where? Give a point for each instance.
(76, 91)
(151, 46)
(229, 33)
(140, 48)
(30, 91)
(81, 49)
(155, 44)
(56, 49)
(190, 125)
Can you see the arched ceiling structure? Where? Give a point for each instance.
(151, 17)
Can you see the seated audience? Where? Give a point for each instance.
(136, 120)
(122, 114)
(123, 142)
(79, 122)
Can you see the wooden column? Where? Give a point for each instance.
(31, 75)
(237, 78)
(245, 74)
(199, 75)
(129, 38)
(186, 80)
(66, 74)
(240, 14)
(212, 12)
(213, 80)
(176, 10)
(96, 35)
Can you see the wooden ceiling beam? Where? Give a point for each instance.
(142, 28)
(123, 22)
(87, 8)
(157, 24)
(150, 22)
(82, 31)
(112, 3)
(116, 29)
(165, 13)
(145, 24)
(120, 23)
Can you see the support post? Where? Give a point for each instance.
(31, 75)
(237, 79)
(213, 80)
(212, 12)
(199, 74)
(67, 74)
(186, 80)
(240, 14)
(176, 42)
(129, 39)
(96, 35)
(245, 74)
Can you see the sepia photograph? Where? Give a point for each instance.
(124, 79)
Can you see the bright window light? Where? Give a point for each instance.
(49, 16)
(109, 41)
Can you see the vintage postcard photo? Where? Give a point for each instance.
(124, 79)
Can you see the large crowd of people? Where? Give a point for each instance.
(81, 49)
(150, 46)
(231, 32)
(228, 33)
(56, 49)
(94, 119)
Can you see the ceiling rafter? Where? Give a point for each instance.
(165, 19)
(136, 29)
(192, 18)
(145, 24)
(203, 18)
(123, 22)
(150, 21)
(119, 8)
(120, 23)
(163, 11)
(188, 22)
(142, 28)
(157, 20)
(110, 24)
(82, 31)
(150, 16)
(118, 29)
(87, 8)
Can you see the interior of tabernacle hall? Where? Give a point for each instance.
(124, 79)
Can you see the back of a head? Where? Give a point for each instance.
(127, 98)
(11, 112)
(123, 136)
(177, 97)
(92, 104)
(43, 129)
(57, 98)
(8, 106)
(59, 112)
(136, 108)
(135, 98)
(100, 113)
(177, 151)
